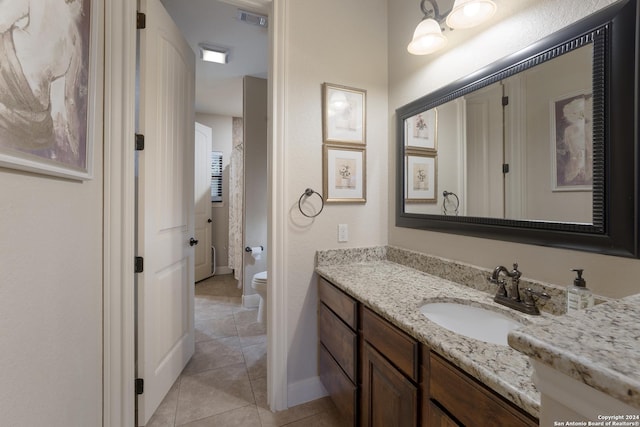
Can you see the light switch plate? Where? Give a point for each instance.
(343, 233)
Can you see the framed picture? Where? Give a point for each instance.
(572, 143)
(421, 177)
(51, 131)
(344, 174)
(343, 114)
(421, 131)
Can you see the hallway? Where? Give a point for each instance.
(225, 382)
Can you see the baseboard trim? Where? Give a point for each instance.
(250, 301)
(305, 391)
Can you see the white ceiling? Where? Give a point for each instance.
(215, 22)
(219, 87)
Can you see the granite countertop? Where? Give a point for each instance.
(396, 292)
(599, 346)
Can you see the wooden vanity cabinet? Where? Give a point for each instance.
(338, 354)
(379, 376)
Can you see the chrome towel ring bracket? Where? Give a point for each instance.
(308, 193)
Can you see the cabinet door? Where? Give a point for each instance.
(388, 397)
(438, 418)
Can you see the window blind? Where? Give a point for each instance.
(216, 176)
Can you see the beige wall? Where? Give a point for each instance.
(411, 77)
(254, 100)
(342, 43)
(51, 299)
(221, 137)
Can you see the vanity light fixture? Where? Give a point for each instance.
(428, 37)
(469, 13)
(215, 54)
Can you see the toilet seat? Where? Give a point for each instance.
(262, 276)
(259, 281)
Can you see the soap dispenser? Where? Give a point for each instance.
(578, 296)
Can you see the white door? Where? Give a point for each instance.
(165, 207)
(485, 153)
(202, 202)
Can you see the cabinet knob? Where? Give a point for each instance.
(192, 242)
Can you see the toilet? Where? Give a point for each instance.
(259, 283)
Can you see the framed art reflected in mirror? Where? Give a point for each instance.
(422, 177)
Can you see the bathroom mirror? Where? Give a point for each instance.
(537, 148)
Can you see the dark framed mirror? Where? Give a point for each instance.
(538, 148)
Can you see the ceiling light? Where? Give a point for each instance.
(214, 54)
(428, 38)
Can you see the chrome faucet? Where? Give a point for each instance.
(510, 296)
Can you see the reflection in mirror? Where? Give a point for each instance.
(541, 134)
(539, 147)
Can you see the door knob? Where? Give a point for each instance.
(192, 241)
(209, 221)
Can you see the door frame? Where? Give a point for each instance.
(119, 216)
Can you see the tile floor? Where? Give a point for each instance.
(225, 383)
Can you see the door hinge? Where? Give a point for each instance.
(505, 168)
(139, 142)
(139, 264)
(141, 21)
(505, 101)
(139, 386)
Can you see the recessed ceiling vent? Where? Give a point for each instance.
(253, 18)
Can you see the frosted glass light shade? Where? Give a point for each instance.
(427, 38)
(469, 13)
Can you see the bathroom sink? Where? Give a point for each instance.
(473, 322)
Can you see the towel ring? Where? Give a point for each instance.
(453, 205)
(308, 193)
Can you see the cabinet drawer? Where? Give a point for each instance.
(398, 347)
(341, 341)
(469, 401)
(340, 303)
(342, 391)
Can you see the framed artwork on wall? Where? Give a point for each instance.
(344, 174)
(572, 143)
(50, 130)
(421, 177)
(421, 131)
(343, 114)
